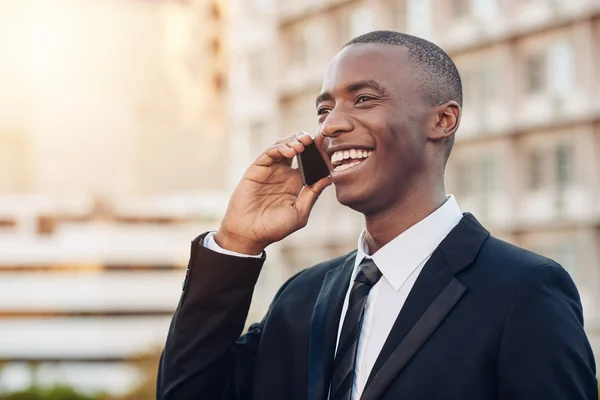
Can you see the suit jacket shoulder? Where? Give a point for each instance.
(513, 256)
(501, 262)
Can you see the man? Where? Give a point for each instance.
(430, 306)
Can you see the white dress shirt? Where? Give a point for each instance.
(400, 261)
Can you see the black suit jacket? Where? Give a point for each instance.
(484, 320)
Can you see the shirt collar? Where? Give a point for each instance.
(398, 259)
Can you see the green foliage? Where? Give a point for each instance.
(147, 364)
(59, 392)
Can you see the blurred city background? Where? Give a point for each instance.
(125, 124)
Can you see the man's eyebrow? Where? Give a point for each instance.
(353, 87)
(368, 84)
(325, 96)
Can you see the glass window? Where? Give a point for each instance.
(479, 85)
(564, 165)
(261, 6)
(313, 39)
(561, 67)
(419, 22)
(469, 85)
(464, 179)
(535, 73)
(488, 175)
(397, 14)
(461, 8)
(485, 9)
(297, 48)
(536, 170)
(489, 78)
(362, 21)
(257, 68)
(342, 28)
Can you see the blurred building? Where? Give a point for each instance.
(112, 98)
(527, 157)
(112, 143)
(123, 123)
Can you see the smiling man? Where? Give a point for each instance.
(430, 305)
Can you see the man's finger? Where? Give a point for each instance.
(295, 144)
(304, 138)
(277, 153)
(298, 136)
(309, 195)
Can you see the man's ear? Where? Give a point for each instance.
(447, 119)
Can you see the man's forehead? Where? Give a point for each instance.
(365, 61)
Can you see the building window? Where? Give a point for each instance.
(479, 86)
(564, 165)
(341, 28)
(488, 175)
(362, 21)
(257, 68)
(461, 8)
(489, 81)
(314, 35)
(469, 86)
(418, 17)
(561, 67)
(536, 170)
(464, 179)
(397, 14)
(297, 48)
(535, 73)
(485, 9)
(261, 6)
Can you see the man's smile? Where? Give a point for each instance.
(342, 160)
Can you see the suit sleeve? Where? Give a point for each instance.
(544, 351)
(204, 356)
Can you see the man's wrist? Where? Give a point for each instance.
(237, 244)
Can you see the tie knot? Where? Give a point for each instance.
(368, 273)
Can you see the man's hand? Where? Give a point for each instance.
(270, 201)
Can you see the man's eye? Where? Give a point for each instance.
(323, 111)
(362, 99)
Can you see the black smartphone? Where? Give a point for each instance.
(311, 165)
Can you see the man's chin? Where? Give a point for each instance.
(358, 200)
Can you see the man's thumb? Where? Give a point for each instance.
(309, 195)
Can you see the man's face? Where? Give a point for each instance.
(372, 126)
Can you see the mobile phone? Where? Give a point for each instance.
(311, 165)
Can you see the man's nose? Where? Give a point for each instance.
(336, 123)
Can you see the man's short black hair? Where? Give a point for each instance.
(439, 77)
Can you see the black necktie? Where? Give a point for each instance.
(345, 358)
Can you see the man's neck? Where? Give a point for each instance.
(384, 226)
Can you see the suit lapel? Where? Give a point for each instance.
(324, 328)
(433, 296)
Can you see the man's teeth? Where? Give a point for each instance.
(346, 166)
(355, 154)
